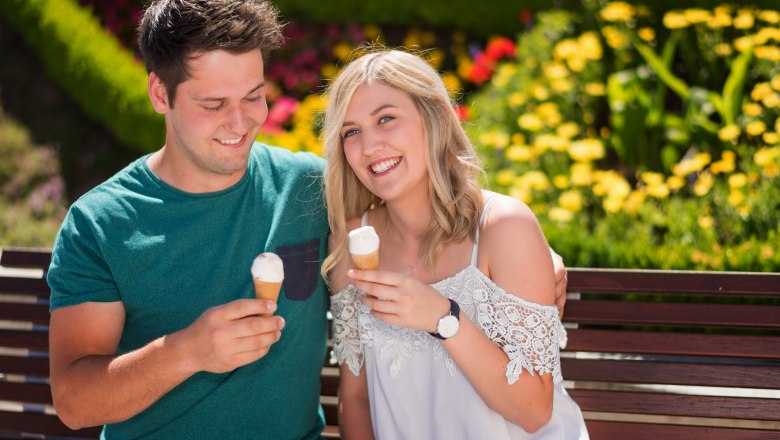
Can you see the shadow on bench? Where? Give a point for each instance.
(651, 354)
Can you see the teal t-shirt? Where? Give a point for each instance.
(170, 255)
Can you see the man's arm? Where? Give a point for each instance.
(91, 385)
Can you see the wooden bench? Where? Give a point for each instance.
(651, 354)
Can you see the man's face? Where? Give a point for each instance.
(216, 116)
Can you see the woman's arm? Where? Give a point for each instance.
(354, 411)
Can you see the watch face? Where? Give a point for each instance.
(448, 326)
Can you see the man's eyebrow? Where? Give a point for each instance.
(216, 98)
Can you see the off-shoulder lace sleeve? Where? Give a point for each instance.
(346, 337)
(530, 334)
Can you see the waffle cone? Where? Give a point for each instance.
(366, 262)
(267, 290)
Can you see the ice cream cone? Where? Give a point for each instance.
(364, 248)
(366, 262)
(267, 275)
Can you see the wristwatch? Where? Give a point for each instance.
(449, 323)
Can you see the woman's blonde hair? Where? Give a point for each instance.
(453, 166)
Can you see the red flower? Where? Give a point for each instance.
(500, 47)
(462, 112)
(482, 69)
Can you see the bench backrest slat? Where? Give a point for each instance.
(618, 430)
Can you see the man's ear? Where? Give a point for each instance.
(158, 94)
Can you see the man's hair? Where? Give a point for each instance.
(172, 32)
(453, 166)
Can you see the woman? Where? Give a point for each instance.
(456, 334)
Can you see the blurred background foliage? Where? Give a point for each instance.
(642, 135)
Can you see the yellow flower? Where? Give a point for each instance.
(658, 191)
(755, 128)
(723, 49)
(634, 201)
(719, 20)
(771, 17)
(571, 200)
(737, 180)
(675, 182)
(744, 20)
(760, 90)
(771, 100)
(371, 32)
(595, 89)
(725, 164)
(329, 71)
(771, 53)
(342, 51)
(565, 48)
(518, 138)
(742, 44)
(505, 177)
(560, 181)
(652, 179)
(775, 82)
(675, 20)
(696, 16)
(771, 137)
(729, 133)
(561, 215)
(517, 99)
(615, 38)
(496, 139)
(766, 156)
(703, 184)
(435, 57)
(590, 46)
(533, 179)
(612, 205)
(706, 222)
(523, 194)
(530, 122)
(647, 34)
(451, 83)
(736, 198)
(540, 92)
(570, 129)
(586, 150)
(547, 141)
(561, 86)
(752, 109)
(555, 70)
(618, 11)
(519, 153)
(581, 174)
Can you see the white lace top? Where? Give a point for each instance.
(415, 389)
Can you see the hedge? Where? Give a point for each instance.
(91, 66)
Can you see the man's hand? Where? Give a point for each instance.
(232, 335)
(560, 281)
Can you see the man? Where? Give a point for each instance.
(155, 332)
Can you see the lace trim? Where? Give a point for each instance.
(530, 334)
(346, 337)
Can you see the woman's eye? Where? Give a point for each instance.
(349, 133)
(385, 118)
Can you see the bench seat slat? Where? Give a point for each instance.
(673, 314)
(43, 423)
(677, 344)
(747, 408)
(672, 373)
(37, 313)
(27, 258)
(680, 282)
(25, 392)
(31, 366)
(34, 340)
(643, 431)
(24, 286)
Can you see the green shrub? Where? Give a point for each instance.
(91, 66)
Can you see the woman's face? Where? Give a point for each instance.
(384, 142)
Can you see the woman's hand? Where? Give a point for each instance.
(400, 299)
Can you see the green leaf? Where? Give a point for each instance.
(660, 68)
(734, 86)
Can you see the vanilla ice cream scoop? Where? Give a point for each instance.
(267, 274)
(364, 247)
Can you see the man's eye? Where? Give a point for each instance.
(214, 109)
(255, 98)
